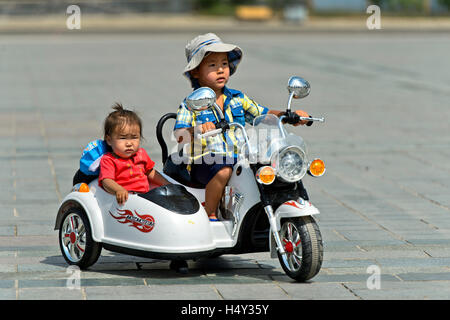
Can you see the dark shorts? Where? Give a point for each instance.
(203, 172)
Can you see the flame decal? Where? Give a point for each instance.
(292, 203)
(144, 223)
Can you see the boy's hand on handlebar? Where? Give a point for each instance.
(208, 126)
(301, 113)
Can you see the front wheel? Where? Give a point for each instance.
(302, 243)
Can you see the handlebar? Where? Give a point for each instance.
(311, 120)
(225, 126)
(221, 126)
(293, 118)
(208, 133)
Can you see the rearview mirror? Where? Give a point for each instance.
(201, 99)
(298, 87)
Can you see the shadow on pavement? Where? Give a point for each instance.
(223, 269)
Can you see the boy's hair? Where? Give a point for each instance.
(119, 118)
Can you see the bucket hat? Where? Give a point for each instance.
(197, 48)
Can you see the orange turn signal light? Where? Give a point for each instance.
(317, 168)
(265, 175)
(84, 187)
(81, 187)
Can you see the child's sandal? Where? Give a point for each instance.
(213, 218)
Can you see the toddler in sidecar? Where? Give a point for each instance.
(127, 167)
(210, 64)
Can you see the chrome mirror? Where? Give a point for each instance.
(299, 87)
(201, 99)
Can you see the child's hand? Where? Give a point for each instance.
(301, 113)
(113, 187)
(208, 126)
(121, 196)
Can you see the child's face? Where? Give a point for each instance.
(213, 71)
(125, 141)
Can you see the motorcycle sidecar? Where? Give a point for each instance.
(167, 222)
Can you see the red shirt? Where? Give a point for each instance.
(130, 173)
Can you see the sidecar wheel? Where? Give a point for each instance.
(303, 246)
(75, 239)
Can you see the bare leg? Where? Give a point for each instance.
(214, 190)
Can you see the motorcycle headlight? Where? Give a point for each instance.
(290, 164)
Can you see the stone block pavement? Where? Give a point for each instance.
(384, 201)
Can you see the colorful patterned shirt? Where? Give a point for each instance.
(237, 107)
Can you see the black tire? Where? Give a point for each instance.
(303, 261)
(75, 239)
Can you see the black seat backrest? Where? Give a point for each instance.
(81, 177)
(180, 173)
(174, 170)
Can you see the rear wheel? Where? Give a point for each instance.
(302, 243)
(75, 239)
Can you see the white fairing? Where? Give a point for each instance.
(245, 184)
(291, 209)
(90, 205)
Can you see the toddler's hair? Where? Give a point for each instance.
(120, 118)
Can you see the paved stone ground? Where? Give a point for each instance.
(384, 201)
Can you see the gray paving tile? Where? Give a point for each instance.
(416, 262)
(411, 276)
(112, 282)
(154, 292)
(50, 293)
(41, 283)
(140, 292)
(317, 291)
(7, 268)
(439, 252)
(350, 277)
(35, 267)
(345, 263)
(404, 291)
(6, 283)
(251, 292)
(7, 230)
(7, 294)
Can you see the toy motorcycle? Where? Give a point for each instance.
(264, 207)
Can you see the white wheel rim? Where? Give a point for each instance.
(290, 238)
